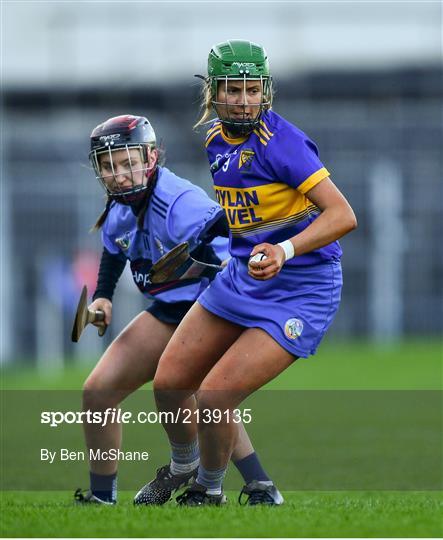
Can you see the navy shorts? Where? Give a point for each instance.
(171, 313)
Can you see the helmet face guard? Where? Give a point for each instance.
(139, 176)
(123, 173)
(244, 122)
(238, 60)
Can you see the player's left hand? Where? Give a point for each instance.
(269, 267)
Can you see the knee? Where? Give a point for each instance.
(169, 390)
(96, 395)
(163, 383)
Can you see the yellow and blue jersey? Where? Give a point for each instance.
(261, 182)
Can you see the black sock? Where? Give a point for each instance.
(104, 486)
(250, 468)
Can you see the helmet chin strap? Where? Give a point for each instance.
(139, 203)
(238, 129)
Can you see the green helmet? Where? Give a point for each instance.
(240, 60)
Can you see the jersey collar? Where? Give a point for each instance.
(237, 140)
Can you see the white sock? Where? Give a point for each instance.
(213, 491)
(184, 468)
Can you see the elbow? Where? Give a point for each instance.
(348, 221)
(352, 221)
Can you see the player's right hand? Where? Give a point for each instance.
(270, 265)
(104, 305)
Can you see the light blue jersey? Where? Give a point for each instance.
(178, 211)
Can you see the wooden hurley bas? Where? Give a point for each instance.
(84, 316)
(175, 265)
(178, 264)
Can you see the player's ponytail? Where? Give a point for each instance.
(144, 207)
(205, 105)
(102, 217)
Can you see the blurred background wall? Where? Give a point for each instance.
(363, 79)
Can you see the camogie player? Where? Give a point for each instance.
(148, 211)
(280, 290)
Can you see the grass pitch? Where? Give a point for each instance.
(409, 366)
(307, 514)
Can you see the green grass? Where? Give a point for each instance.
(408, 365)
(405, 426)
(338, 514)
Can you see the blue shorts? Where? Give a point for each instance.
(296, 307)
